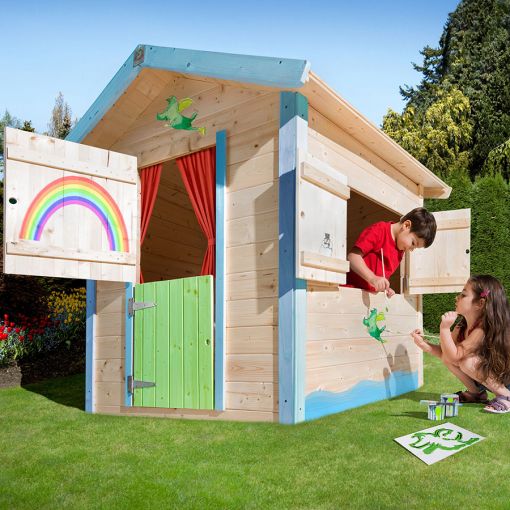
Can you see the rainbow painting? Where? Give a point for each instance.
(80, 191)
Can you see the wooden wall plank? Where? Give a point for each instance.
(341, 378)
(252, 368)
(252, 257)
(251, 396)
(252, 340)
(168, 144)
(252, 284)
(252, 312)
(253, 229)
(254, 200)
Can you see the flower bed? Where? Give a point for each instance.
(63, 323)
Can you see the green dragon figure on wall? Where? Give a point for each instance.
(175, 119)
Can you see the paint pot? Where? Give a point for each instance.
(451, 403)
(436, 411)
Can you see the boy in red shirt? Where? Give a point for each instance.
(417, 229)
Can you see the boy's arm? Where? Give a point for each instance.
(357, 264)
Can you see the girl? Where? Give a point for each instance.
(478, 350)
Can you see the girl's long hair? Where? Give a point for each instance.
(494, 351)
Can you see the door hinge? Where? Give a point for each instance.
(134, 306)
(133, 384)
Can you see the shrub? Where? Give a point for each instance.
(24, 336)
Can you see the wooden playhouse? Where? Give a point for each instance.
(297, 173)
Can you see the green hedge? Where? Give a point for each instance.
(489, 200)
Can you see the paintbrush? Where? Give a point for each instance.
(384, 276)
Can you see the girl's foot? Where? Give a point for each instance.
(473, 397)
(499, 405)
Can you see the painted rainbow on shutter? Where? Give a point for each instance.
(80, 191)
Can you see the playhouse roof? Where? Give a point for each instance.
(266, 72)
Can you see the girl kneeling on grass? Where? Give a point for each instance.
(477, 351)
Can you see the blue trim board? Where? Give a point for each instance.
(108, 97)
(128, 363)
(89, 344)
(219, 299)
(322, 403)
(291, 290)
(267, 71)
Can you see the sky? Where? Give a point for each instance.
(362, 49)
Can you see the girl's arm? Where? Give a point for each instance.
(451, 351)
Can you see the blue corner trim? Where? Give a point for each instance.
(219, 301)
(89, 344)
(323, 403)
(291, 290)
(128, 365)
(267, 71)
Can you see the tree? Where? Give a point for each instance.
(439, 136)
(60, 124)
(27, 126)
(473, 56)
(6, 121)
(498, 161)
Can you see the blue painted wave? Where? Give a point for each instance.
(322, 403)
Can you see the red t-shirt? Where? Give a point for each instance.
(370, 242)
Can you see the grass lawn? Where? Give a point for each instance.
(54, 455)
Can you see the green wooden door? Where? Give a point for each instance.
(173, 344)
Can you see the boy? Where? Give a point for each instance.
(417, 229)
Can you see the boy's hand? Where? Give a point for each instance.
(380, 284)
(447, 319)
(390, 292)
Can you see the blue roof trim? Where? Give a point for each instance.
(111, 93)
(268, 71)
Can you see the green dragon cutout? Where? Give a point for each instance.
(175, 119)
(371, 323)
(441, 439)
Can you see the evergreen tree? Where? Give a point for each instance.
(474, 56)
(490, 227)
(60, 124)
(498, 161)
(27, 126)
(439, 136)
(7, 120)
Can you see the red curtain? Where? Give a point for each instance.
(198, 172)
(149, 176)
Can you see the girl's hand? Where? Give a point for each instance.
(418, 340)
(390, 292)
(447, 320)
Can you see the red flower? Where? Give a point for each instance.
(21, 338)
(6, 317)
(12, 324)
(9, 330)
(17, 330)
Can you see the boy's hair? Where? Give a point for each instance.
(423, 224)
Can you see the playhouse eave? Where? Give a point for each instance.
(255, 71)
(280, 73)
(340, 112)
